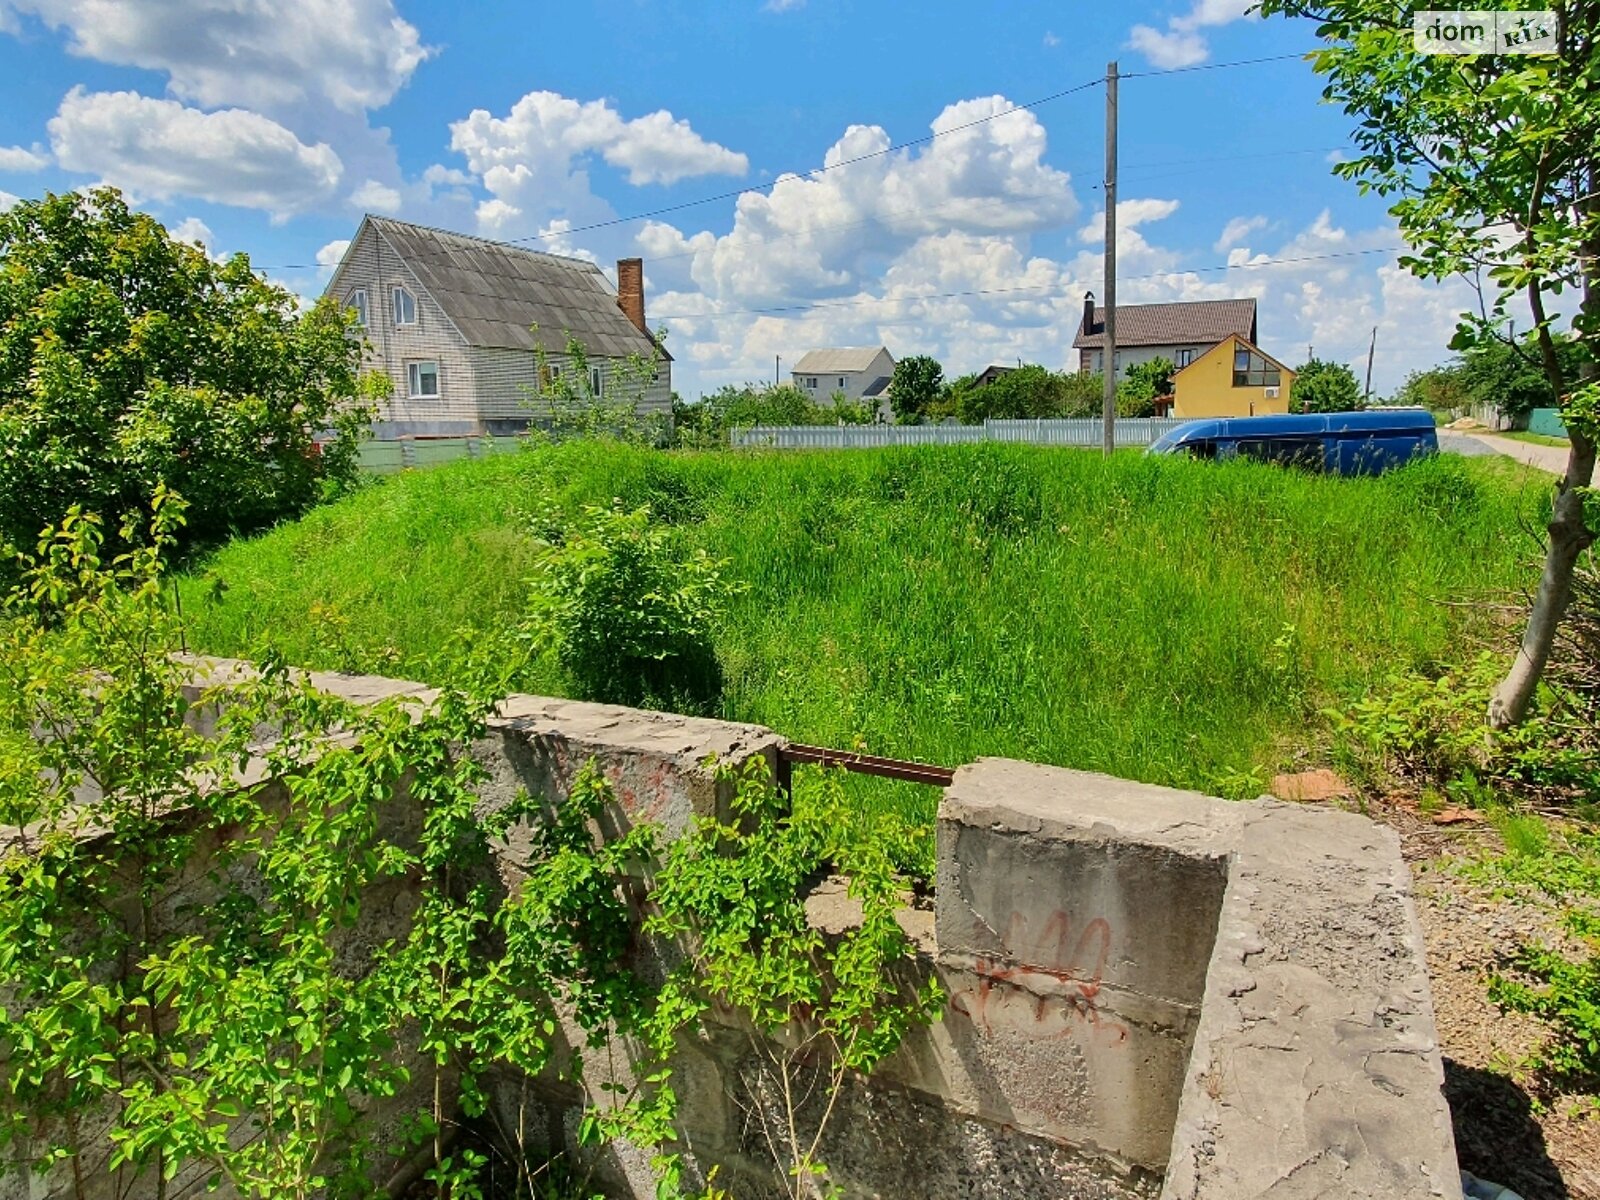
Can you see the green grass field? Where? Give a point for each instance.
(1161, 619)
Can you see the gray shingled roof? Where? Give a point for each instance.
(1172, 324)
(825, 362)
(495, 293)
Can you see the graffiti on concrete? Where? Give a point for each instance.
(1048, 984)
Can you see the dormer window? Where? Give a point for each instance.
(357, 300)
(1251, 369)
(405, 307)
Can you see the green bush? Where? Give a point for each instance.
(131, 361)
(629, 610)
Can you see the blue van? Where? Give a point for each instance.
(1349, 443)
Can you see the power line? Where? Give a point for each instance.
(1239, 62)
(813, 171)
(1253, 264)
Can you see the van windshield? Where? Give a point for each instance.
(1164, 443)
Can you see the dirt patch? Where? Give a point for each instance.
(1305, 786)
(1508, 1128)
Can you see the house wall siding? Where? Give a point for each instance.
(1089, 360)
(1205, 389)
(855, 383)
(373, 264)
(508, 379)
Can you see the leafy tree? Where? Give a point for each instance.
(1136, 394)
(1322, 386)
(1492, 164)
(1511, 377)
(918, 380)
(131, 361)
(1030, 392)
(1438, 389)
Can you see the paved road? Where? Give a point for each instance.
(1546, 458)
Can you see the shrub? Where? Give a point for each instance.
(629, 610)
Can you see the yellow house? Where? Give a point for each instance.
(1234, 378)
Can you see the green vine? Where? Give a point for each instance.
(238, 925)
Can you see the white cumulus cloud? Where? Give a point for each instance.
(1182, 44)
(7, 201)
(1130, 215)
(830, 229)
(165, 149)
(545, 132)
(1236, 230)
(373, 196)
(355, 54)
(193, 229)
(329, 256)
(20, 159)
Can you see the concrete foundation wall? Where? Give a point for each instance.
(1150, 992)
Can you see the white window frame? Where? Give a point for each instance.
(841, 383)
(1185, 357)
(357, 299)
(414, 374)
(395, 293)
(811, 382)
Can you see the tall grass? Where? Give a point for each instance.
(1160, 619)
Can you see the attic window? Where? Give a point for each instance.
(405, 307)
(1251, 369)
(357, 300)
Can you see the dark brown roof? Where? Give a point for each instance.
(495, 293)
(1172, 324)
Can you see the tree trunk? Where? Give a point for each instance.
(1570, 536)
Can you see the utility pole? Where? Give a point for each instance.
(1371, 351)
(777, 370)
(1109, 362)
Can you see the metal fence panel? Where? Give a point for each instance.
(1131, 432)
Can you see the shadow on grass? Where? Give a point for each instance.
(1497, 1137)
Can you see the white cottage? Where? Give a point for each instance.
(455, 321)
(861, 373)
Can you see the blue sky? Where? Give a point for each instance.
(268, 126)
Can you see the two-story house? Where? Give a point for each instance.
(861, 373)
(1180, 332)
(1235, 378)
(456, 323)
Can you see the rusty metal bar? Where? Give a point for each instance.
(864, 764)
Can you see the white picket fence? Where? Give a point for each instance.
(1131, 432)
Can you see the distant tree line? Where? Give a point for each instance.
(1508, 375)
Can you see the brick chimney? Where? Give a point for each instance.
(630, 291)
